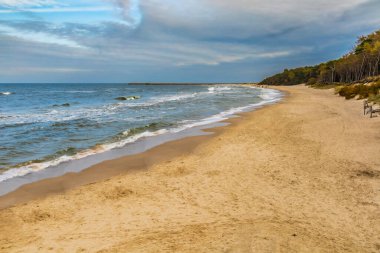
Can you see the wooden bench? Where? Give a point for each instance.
(365, 106)
(372, 111)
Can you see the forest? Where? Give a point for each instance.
(361, 63)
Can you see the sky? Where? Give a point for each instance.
(174, 40)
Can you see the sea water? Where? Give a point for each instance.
(44, 125)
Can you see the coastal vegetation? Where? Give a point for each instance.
(359, 90)
(362, 62)
(356, 74)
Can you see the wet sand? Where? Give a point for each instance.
(299, 176)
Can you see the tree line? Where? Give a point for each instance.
(361, 62)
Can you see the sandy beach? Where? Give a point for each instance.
(302, 175)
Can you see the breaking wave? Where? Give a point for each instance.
(132, 135)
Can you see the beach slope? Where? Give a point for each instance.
(299, 176)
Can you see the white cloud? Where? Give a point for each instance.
(60, 9)
(26, 3)
(285, 7)
(243, 17)
(40, 37)
(174, 52)
(30, 70)
(130, 10)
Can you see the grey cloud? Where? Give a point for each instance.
(219, 40)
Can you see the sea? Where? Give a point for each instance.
(45, 125)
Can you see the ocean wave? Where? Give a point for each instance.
(71, 91)
(6, 93)
(12, 125)
(171, 98)
(219, 89)
(4, 116)
(160, 100)
(64, 112)
(274, 97)
(181, 97)
(132, 135)
(80, 91)
(264, 96)
(268, 94)
(69, 154)
(60, 114)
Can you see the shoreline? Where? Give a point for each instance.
(121, 132)
(301, 175)
(138, 162)
(78, 165)
(47, 184)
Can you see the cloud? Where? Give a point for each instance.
(241, 18)
(171, 40)
(130, 10)
(26, 3)
(41, 37)
(59, 9)
(43, 70)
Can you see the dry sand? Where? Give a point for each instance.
(299, 176)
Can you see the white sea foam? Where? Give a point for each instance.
(71, 91)
(223, 88)
(6, 93)
(80, 91)
(268, 96)
(219, 89)
(55, 115)
(170, 98)
(93, 113)
(272, 96)
(163, 99)
(35, 167)
(98, 112)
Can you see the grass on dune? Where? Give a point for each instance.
(360, 91)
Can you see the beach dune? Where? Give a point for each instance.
(302, 175)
